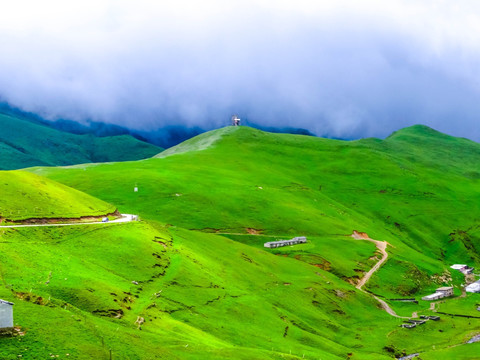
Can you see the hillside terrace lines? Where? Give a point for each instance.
(124, 218)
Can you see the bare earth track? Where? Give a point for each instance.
(382, 247)
(123, 219)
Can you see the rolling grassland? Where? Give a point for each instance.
(193, 280)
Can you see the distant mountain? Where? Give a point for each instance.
(165, 136)
(280, 129)
(28, 142)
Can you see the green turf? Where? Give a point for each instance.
(25, 195)
(235, 301)
(228, 297)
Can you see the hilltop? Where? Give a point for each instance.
(199, 142)
(24, 143)
(214, 291)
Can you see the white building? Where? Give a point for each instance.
(432, 297)
(6, 315)
(446, 291)
(473, 287)
(294, 241)
(462, 268)
(439, 293)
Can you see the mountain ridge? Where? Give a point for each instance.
(24, 143)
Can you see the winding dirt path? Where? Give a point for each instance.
(382, 247)
(123, 219)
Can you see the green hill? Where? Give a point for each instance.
(223, 295)
(200, 295)
(26, 195)
(200, 142)
(24, 143)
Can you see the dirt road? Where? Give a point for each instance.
(124, 218)
(382, 247)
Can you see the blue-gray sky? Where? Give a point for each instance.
(341, 68)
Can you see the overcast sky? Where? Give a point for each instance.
(339, 68)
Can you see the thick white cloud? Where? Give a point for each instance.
(343, 68)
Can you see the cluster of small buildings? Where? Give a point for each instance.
(464, 269)
(448, 290)
(294, 241)
(439, 293)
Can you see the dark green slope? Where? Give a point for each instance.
(24, 143)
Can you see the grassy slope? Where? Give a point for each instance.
(234, 302)
(410, 189)
(287, 184)
(25, 195)
(23, 144)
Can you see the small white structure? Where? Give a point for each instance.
(440, 293)
(462, 268)
(294, 241)
(6, 316)
(235, 120)
(432, 297)
(473, 287)
(135, 189)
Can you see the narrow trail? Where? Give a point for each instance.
(123, 219)
(382, 247)
(244, 234)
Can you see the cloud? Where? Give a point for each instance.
(339, 68)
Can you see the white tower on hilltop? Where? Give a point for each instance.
(235, 120)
